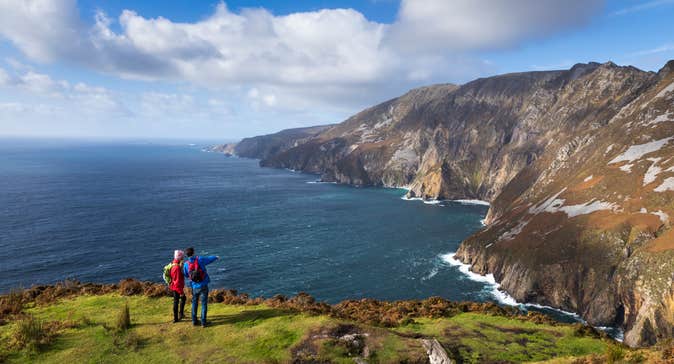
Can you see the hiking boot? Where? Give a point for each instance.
(204, 324)
(195, 323)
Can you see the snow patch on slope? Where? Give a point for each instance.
(667, 185)
(512, 233)
(652, 172)
(588, 208)
(665, 90)
(662, 215)
(555, 204)
(627, 168)
(668, 116)
(637, 151)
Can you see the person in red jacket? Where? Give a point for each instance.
(177, 285)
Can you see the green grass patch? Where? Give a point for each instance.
(87, 329)
(478, 338)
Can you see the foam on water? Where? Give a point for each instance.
(427, 202)
(471, 202)
(490, 282)
(503, 297)
(434, 271)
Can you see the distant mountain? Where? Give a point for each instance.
(265, 146)
(578, 165)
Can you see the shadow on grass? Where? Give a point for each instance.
(247, 318)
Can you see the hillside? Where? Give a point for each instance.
(264, 146)
(576, 163)
(78, 323)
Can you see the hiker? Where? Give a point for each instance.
(195, 270)
(175, 278)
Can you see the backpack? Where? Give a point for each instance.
(167, 273)
(194, 271)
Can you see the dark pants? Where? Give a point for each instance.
(178, 299)
(197, 294)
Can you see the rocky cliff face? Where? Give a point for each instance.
(578, 165)
(586, 227)
(265, 146)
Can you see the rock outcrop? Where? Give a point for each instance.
(586, 227)
(265, 146)
(578, 165)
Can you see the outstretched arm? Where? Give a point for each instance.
(208, 260)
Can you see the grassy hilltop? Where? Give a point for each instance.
(75, 322)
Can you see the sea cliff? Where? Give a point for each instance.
(578, 165)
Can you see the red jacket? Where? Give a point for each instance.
(177, 277)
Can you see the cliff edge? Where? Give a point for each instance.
(578, 166)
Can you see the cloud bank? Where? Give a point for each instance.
(334, 59)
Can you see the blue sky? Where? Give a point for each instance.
(226, 70)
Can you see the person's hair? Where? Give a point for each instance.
(189, 251)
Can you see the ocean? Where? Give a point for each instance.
(104, 211)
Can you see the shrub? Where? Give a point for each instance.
(585, 330)
(123, 322)
(11, 304)
(32, 334)
(614, 353)
(636, 357)
(86, 321)
(127, 341)
(668, 352)
(130, 287)
(155, 290)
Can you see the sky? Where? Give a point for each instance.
(231, 69)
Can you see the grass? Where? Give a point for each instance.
(261, 334)
(123, 322)
(32, 334)
(477, 338)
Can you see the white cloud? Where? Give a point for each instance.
(44, 30)
(4, 77)
(468, 24)
(331, 61)
(336, 46)
(642, 6)
(36, 103)
(669, 47)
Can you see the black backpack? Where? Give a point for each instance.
(194, 271)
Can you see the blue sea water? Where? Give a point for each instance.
(105, 211)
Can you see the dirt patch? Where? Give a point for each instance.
(662, 243)
(347, 339)
(587, 184)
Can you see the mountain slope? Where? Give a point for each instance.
(462, 142)
(587, 226)
(577, 164)
(264, 146)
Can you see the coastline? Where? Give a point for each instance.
(504, 298)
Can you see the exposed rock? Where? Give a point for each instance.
(528, 143)
(226, 149)
(436, 353)
(599, 246)
(264, 146)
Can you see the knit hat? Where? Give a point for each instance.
(178, 255)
